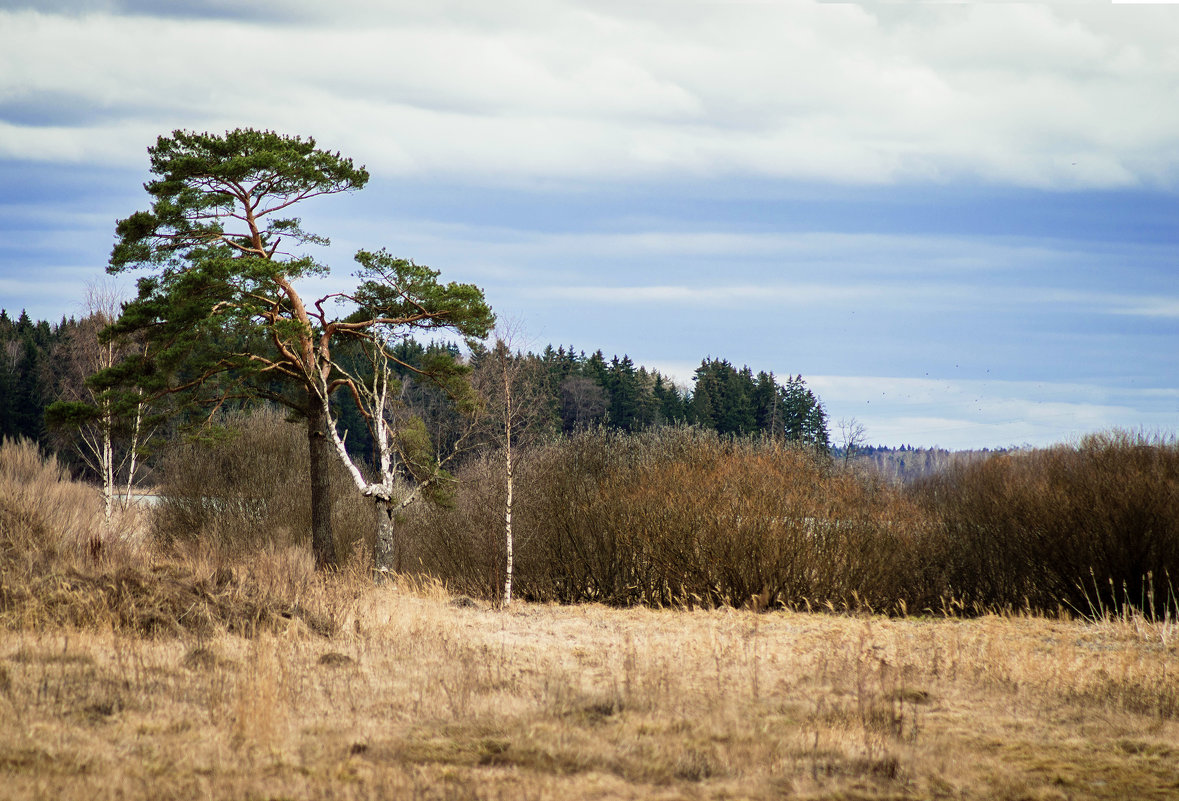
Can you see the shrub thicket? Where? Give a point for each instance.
(685, 517)
(246, 488)
(679, 516)
(673, 517)
(1089, 526)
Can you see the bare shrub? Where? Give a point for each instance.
(247, 488)
(1089, 526)
(677, 517)
(462, 542)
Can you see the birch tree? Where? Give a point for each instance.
(108, 431)
(395, 299)
(509, 384)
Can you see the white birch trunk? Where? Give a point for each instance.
(508, 564)
(386, 554)
(108, 470)
(133, 465)
(385, 551)
(508, 544)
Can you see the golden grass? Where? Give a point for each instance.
(130, 673)
(420, 696)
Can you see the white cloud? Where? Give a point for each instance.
(750, 297)
(1146, 306)
(1030, 95)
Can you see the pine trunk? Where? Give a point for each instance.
(319, 450)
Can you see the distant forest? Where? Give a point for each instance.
(569, 390)
(576, 390)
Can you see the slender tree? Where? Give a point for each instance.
(852, 436)
(511, 385)
(108, 430)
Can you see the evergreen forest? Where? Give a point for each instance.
(567, 391)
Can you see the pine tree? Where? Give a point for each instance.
(221, 270)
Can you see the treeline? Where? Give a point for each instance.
(29, 381)
(572, 392)
(569, 391)
(589, 391)
(907, 464)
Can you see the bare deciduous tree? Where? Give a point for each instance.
(410, 463)
(852, 436)
(109, 432)
(506, 380)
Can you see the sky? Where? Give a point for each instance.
(958, 222)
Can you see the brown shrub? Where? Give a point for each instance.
(685, 517)
(1091, 526)
(679, 516)
(248, 488)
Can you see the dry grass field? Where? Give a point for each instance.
(134, 670)
(418, 695)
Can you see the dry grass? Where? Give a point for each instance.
(420, 696)
(130, 674)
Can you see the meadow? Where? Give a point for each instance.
(184, 668)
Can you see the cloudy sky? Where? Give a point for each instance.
(959, 222)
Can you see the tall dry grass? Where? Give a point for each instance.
(46, 519)
(60, 565)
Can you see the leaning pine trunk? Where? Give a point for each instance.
(319, 450)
